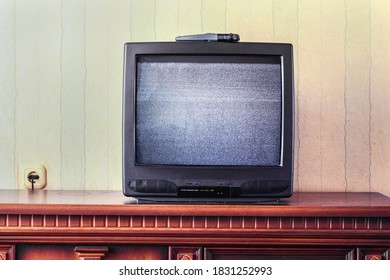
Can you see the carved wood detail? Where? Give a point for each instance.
(332, 225)
(185, 253)
(191, 222)
(278, 253)
(7, 252)
(373, 254)
(373, 257)
(91, 253)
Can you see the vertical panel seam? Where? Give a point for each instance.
(298, 102)
(370, 100)
(345, 97)
(107, 95)
(321, 102)
(273, 20)
(201, 16)
(85, 93)
(61, 95)
(154, 19)
(15, 105)
(37, 159)
(130, 25)
(226, 15)
(178, 16)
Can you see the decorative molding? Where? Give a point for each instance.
(91, 253)
(373, 254)
(277, 253)
(310, 225)
(7, 252)
(373, 257)
(193, 230)
(185, 253)
(194, 222)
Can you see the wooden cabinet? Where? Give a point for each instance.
(106, 225)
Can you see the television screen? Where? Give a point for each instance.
(208, 120)
(209, 113)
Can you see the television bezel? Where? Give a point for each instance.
(206, 176)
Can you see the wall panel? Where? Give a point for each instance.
(167, 17)
(61, 69)
(357, 101)
(253, 20)
(27, 78)
(72, 92)
(333, 96)
(189, 17)
(96, 95)
(49, 84)
(142, 16)
(380, 100)
(286, 31)
(8, 94)
(118, 34)
(214, 16)
(310, 95)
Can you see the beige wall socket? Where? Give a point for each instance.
(39, 183)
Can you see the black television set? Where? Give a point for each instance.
(208, 121)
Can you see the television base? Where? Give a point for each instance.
(175, 200)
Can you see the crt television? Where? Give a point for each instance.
(208, 121)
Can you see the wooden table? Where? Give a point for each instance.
(44, 224)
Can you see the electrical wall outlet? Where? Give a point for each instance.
(39, 183)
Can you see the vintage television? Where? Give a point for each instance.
(208, 121)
